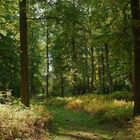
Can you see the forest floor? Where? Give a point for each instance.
(87, 117)
(73, 125)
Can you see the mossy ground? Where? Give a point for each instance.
(72, 125)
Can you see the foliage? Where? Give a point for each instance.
(121, 95)
(73, 28)
(23, 123)
(9, 63)
(102, 108)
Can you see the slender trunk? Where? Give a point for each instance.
(88, 84)
(110, 81)
(62, 85)
(91, 50)
(100, 79)
(24, 54)
(131, 80)
(75, 91)
(74, 57)
(31, 83)
(92, 69)
(135, 9)
(47, 61)
(99, 72)
(87, 71)
(102, 71)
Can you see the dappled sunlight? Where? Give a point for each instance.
(103, 108)
(121, 103)
(75, 104)
(69, 69)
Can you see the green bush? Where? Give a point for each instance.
(121, 95)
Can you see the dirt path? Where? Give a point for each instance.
(69, 125)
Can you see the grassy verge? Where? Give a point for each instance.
(72, 125)
(103, 108)
(105, 116)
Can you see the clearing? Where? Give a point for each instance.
(71, 125)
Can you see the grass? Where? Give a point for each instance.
(68, 124)
(102, 108)
(92, 117)
(84, 117)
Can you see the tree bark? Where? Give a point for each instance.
(74, 58)
(62, 85)
(92, 70)
(110, 81)
(100, 79)
(135, 10)
(24, 54)
(102, 70)
(47, 63)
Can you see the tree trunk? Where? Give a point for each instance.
(131, 80)
(100, 79)
(75, 91)
(62, 85)
(74, 58)
(135, 9)
(47, 62)
(88, 84)
(110, 81)
(92, 70)
(24, 54)
(99, 72)
(102, 71)
(31, 79)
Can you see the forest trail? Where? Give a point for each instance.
(70, 125)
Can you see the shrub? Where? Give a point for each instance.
(75, 104)
(23, 123)
(121, 95)
(103, 108)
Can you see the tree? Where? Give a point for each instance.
(24, 53)
(109, 77)
(85, 41)
(47, 62)
(135, 9)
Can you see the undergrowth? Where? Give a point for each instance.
(103, 108)
(115, 110)
(18, 122)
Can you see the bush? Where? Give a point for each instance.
(23, 123)
(121, 95)
(103, 108)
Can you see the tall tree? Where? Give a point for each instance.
(135, 9)
(24, 53)
(109, 76)
(47, 62)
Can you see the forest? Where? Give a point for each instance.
(69, 69)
